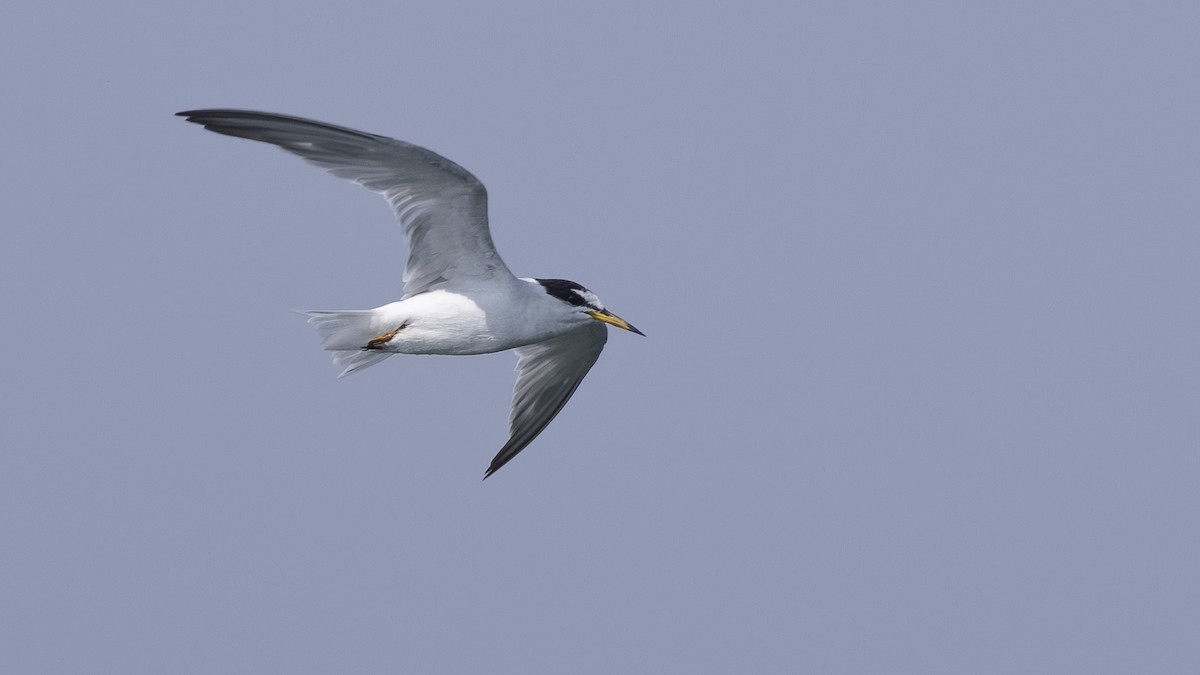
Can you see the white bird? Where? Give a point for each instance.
(459, 296)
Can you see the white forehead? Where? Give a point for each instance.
(588, 297)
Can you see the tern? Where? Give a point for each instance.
(459, 297)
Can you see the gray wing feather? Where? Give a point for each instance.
(547, 375)
(440, 205)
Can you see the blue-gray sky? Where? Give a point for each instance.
(919, 395)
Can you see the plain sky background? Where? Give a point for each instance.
(920, 392)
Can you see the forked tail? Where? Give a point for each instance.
(346, 334)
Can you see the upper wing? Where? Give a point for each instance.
(547, 374)
(440, 205)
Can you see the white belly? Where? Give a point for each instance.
(442, 322)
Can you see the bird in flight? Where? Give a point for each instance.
(459, 296)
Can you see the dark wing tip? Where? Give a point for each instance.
(498, 461)
(257, 125)
(200, 115)
(226, 112)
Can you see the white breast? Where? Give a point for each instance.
(473, 321)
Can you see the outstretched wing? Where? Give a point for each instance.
(547, 375)
(440, 205)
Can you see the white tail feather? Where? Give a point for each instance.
(345, 334)
(351, 361)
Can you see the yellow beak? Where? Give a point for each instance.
(611, 319)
